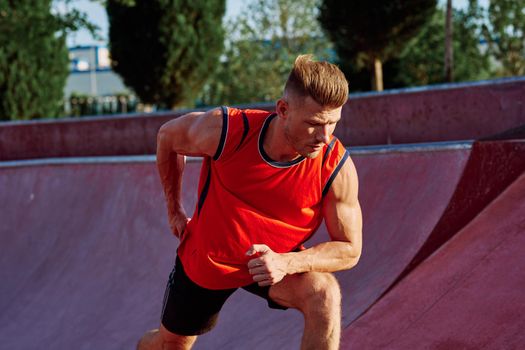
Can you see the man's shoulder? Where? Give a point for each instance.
(249, 119)
(334, 150)
(250, 113)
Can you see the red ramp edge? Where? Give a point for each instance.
(492, 167)
(467, 295)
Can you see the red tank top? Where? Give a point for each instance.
(247, 198)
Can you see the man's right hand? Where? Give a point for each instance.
(178, 223)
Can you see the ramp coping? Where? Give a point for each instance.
(362, 150)
(439, 87)
(412, 147)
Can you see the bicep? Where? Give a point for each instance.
(193, 134)
(341, 208)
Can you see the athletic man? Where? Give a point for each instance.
(267, 182)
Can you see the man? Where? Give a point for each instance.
(267, 182)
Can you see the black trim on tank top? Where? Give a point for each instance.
(334, 174)
(223, 132)
(265, 156)
(245, 131)
(329, 149)
(205, 189)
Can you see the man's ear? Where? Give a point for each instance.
(282, 108)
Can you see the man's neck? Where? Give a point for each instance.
(275, 143)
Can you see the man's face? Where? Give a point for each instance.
(307, 125)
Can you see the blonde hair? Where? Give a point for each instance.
(322, 81)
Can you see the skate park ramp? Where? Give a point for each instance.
(467, 295)
(86, 249)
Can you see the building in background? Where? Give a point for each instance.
(92, 87)
(91, 74)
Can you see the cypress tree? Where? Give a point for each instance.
(33, 60)
(165, 50)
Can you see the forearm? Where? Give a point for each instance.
(170, 166)
(325, 257)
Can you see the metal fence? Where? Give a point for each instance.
(83, 105)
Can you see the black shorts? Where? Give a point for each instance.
(189, 309)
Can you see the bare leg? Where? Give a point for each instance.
(318, 297)
(162, 339)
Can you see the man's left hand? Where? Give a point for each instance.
(269, 267)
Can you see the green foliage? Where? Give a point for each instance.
(504, 31)
(262, 45)
(422, 63)
(33, 60)
(365, 32)
(165, 50)
(74, 20)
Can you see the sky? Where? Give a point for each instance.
(97, 15)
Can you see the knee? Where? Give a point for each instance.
(174, 341)
(163, 339)
(150, 340)
(321, 294)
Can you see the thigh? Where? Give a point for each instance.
(188, 308)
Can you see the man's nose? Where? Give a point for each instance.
(324, 134)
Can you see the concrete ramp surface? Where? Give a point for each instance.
(83, 252)
(468, 295)
(86, 249)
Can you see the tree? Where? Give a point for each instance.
(165, 50)
(421, 62)
(33, 60)
(366, 34)
(261, 47)
(449, 49)
(504, 31)
(34, 57)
